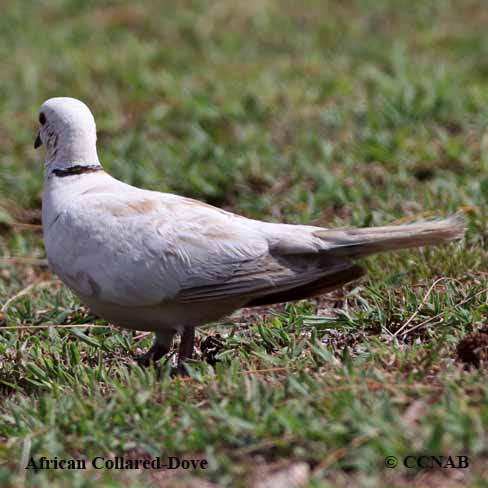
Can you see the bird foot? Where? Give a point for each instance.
(154, 354)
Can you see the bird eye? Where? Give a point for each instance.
(42, 118)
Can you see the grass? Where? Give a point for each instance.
(333, 113)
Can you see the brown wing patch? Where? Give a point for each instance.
(218, 232)
(129, 209)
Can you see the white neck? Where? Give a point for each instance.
(68, 155)
(75, 145)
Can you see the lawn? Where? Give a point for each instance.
(336, 113)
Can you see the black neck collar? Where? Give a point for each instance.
(76, 170)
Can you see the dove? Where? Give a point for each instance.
(160, 262)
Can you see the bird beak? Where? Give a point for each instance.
(38, 141)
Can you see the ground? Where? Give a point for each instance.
(336, 113)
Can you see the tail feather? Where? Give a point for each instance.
(356, 243)
(349, 244)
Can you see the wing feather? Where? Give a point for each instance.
(174, 248)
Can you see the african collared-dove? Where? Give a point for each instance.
(165, 263)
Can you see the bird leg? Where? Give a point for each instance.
(161, 347)
(186, 348)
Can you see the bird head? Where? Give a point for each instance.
(67, 130)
